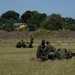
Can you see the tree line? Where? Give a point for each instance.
(36, 20)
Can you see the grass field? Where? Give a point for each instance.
(23, 61)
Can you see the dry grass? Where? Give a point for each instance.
(15, 61)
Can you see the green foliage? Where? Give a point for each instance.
(9, 26)
(36, 20)
(33, 22)
(10, 15)
(1, 24)
(72, 27)
(68, 26)
(69, 20)
(65, 25)
(25, 16)
(53, 22)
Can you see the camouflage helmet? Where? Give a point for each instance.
(43, 41)
(47, 42)
(65, 49)
(58, 49)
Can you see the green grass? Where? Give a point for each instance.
(23, 61)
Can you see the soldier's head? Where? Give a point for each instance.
(59, 49)
(43, 41)
(30, 35)
(65, 49)
(21, 40)
(47, 42)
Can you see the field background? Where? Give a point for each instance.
(23, 61)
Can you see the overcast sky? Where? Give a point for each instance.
(64, 7)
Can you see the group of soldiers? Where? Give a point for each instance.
(46, 51)
(23, 44)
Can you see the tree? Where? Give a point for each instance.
(26, 16)
(53, 22)
(1, 24)
(8, 26)
(68, 23)
(10, 15)
(35, 20)
(71, 21)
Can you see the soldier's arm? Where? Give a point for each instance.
(38, 52)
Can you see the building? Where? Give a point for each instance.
(20, 25)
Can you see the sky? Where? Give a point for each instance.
(66, 8)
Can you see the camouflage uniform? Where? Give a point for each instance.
(50, 51)
(62, 54)
(68, 53)
(52, 56)
(40, 50)
(23, 45)
(47, 50)
(31, 42)
(18, 45)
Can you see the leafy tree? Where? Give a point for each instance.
(71, 21)
(9, 26)
(68, 23)
(53, 22)
(26, 16)
(10, 15)
(1, 24)
(35, 20)
(72, 27)
(66, 26)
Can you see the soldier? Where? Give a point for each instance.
(46, 50)
(52, 56)
(31, 42)
(40, 50)
(50, 51)
(61, 54)
(68, 53)
(51, 48)
(18, 45)
(23, 45)
(57, 53)
(22, 42)
(73, 54)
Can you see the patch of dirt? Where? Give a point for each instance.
(10, 35)
(72, 34)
